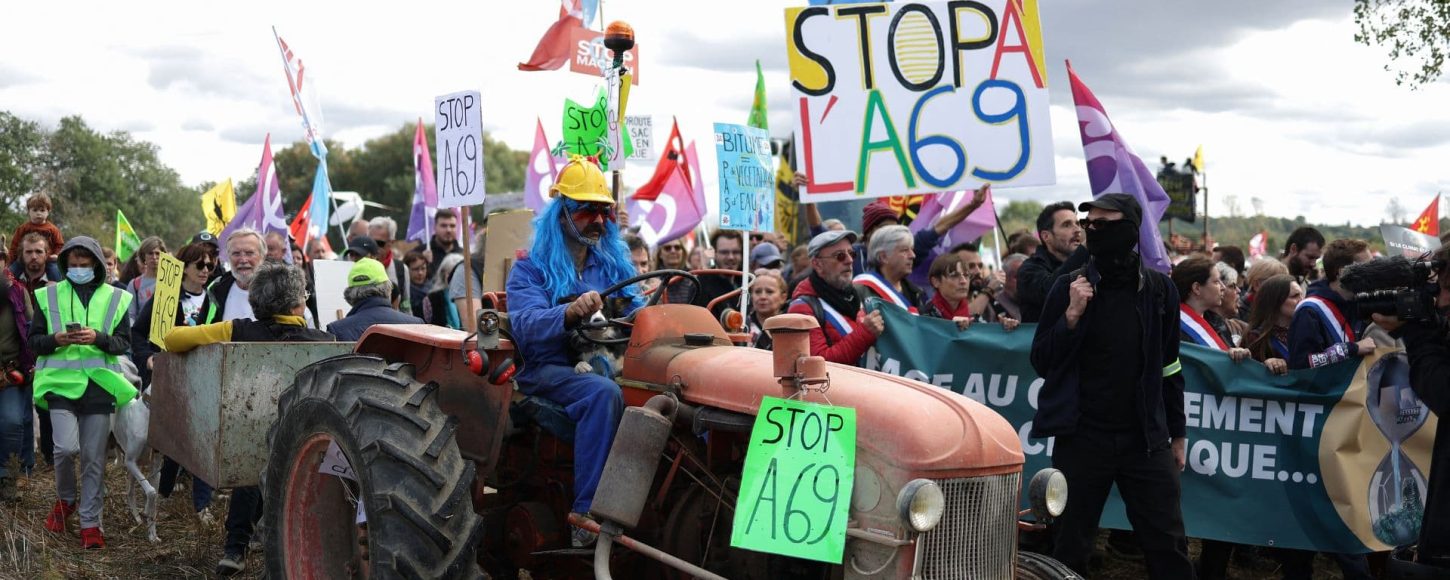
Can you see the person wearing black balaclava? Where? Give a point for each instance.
(1107, 347)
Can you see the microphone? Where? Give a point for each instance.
(1378, 274)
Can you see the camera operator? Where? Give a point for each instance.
(1428, 345)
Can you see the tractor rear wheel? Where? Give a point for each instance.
(364, 478)
(1034, 566)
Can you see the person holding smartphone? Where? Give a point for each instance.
(79, 334)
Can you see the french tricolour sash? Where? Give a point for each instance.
(837, 320)
(883, 289)
(1198, 329)
(1328, 314)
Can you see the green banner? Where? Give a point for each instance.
(795, 490)
(1331, 459)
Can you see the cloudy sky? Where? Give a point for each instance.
(1288, 108)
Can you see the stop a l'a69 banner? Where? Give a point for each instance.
(918, 97)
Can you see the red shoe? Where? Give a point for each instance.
(91, 539)
(58, 516)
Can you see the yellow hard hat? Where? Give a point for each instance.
(581, 180)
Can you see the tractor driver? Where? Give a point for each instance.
(577, 251)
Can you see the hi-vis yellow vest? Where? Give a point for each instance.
(68, 370)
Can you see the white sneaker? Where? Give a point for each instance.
(231, 564)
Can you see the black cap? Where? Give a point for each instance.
(204, 237)
(362, 245)
(1117, 202)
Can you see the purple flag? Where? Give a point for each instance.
(671, 215)
(979, 222)
(536, 188)
(425, 192)
(1113, 167)
(263, 210)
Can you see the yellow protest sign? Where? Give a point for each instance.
(166, 298)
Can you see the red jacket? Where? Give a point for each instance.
(827, 341)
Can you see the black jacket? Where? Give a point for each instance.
(218, 291)
(1037, 275)
(1429, 353)
(1055, 351)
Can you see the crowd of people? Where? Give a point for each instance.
(74, 332)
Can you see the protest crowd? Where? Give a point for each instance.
(1111, 311)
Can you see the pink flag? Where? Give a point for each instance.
(696, 184)
(425, 192)
(537, 178)
(672, 214)
(1113, 167)
(263, 211)
(979, 222)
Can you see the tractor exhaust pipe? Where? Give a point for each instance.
(629, 471)
(794, 365)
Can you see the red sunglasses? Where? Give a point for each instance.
(591, 211)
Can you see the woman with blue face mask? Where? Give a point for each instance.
(79, 334)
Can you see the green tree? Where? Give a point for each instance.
(22, 144)
(1413, 30)
(90, 175)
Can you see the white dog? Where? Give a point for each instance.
(129, 428)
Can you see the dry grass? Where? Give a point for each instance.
(188, 548)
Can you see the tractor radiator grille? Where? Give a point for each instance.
(977, 536)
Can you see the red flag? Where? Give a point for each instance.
(300, 228)
(555, 46)
(1429, 221)
(670, 160)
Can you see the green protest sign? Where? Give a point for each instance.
(586, 127)
(796, 486)
(1329, 459)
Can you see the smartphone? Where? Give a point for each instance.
(72, 326)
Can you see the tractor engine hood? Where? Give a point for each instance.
(913, 426)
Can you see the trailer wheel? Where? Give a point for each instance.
(1034, 566)
(399, 459)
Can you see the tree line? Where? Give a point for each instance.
(89, 174)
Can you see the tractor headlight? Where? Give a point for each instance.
(921, 504)
(1048, 494)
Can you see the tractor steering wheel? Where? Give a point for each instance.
(610, 321)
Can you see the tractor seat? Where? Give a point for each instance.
(548, 415)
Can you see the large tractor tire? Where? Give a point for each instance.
(1034, 566)
(399, 458)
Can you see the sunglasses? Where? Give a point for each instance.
(841, 256)
(672, 248)
(204, 266)
(592, 211)
(1088, 224)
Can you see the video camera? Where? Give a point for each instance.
(1395, 286)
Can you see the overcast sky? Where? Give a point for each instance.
(1288, 108)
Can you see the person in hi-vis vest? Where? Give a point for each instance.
(79, 335)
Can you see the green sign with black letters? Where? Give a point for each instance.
(795, 491)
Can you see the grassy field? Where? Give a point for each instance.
(188, 548)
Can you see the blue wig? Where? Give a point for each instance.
(551, 253)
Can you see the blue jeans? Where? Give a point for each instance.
(595, 404)
(200, 491)
(14, 421)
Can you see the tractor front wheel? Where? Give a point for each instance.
(365, 480)
(1034, 566)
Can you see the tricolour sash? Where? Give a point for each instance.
(1198, 329)
(1330, 315)
(883, 289)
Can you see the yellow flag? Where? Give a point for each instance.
(219, 205)
(1198, 159)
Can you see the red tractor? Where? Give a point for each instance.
(416, 457)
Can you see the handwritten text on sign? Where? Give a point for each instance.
(747, 178)
(642, 135)
(918, 97)
(795, 490)
(459, 120)
(167, 298)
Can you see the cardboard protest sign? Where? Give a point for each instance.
(1403, 241)
(507, 233)
(591, 57)
(795, 490)
(459, 122)
(747, 178)
(918, 97)
(166, 298)
(641, 135)
(331, 278)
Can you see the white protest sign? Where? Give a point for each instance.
(918, 97)
(613, 131)
(459, 150)
(642, 133)
(331, 278)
